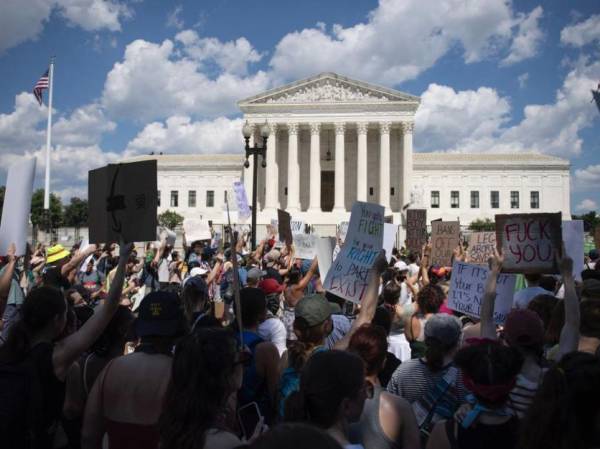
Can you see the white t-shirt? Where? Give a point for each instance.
(273, 330)
(405, 294)
(523, 297)
(413, 269)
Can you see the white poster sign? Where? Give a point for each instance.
(324, 251)
(389, 239)
(196, 229)
(348, 276)
(168, 235)
(343, 230)
(305, 246)
(297, 227)
(572, 234)
(17, 205)
(467, 288)
(241, 199)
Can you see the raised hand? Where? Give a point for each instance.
(496, 261)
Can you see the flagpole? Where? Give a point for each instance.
(48, 137)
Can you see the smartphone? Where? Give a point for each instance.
(249, 417)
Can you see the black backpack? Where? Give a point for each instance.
(21, 415)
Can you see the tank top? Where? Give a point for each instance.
(369, 430)
(479, 435)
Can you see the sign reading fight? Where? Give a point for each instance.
(122, 202)
(529, 242)
(481, 247)
(467, 288)
(416, 229)
(348, 275)
(445, 236)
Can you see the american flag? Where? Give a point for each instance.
(40, 86)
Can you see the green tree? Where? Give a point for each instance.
(170, 219)
(482, 225)
(76, 213)
(590, 220)
(37, 209)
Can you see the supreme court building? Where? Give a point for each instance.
(335, 140)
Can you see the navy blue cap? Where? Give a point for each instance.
(159, 314)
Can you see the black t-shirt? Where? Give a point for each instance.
(53, 277)
(391, 363)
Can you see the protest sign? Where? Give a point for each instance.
(445, 236)
(348, 275)
(241, 199)
(196, 229)
(529, 242)
(416, 229)
(343, 230)
(17, 205)
(481, 247)
(122, 202)
(467, 288)
(389, 239)
(297, 227)
(572, 234)
(168, 235)
(324, 250)
(305, 246)
(285, 230)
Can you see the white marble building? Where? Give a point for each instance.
(335, 140)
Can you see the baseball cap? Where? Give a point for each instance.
(198, 283)
(255, 274)
(159, 314)
(401, 266)
(198, 271)
(523, 327)
(313, 309)
(56, 253)
(444, 328)
(270, 286)
(273, 255)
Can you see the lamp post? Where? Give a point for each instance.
(255, 151)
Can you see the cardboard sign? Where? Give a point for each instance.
(348, 276)
(445, 237)
(305, 246)
(529, 242)
(416, 229)
(196, 229)
(122, 202)
(572, 234)
(241, 199)
(467, 287)
(389, 239)
(481, 247)
(285, 230)
(324, 250)
(17, 206)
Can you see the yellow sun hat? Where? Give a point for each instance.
(55, 253)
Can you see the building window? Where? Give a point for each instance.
(474, 199)
(285, 191)
(435, 199)
(392, 191)
(535, 200)
(210, 198)
(158, 198)
(454, 199)
(495, 199)
(174, 198)
(371, 191)
(514, 199)
(192, 198)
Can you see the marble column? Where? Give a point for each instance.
(384, 164)
(293, 182)
(407, 161)
(340, 194)
(315, 167)
(361, 162)
(272, 172)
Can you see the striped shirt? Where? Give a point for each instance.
(521, 396)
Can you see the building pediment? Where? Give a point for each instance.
(329, 89)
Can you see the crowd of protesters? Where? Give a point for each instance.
(104, 346)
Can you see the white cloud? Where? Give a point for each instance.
(529, 36)
(154, 81)
(522, 79)
(174, 19)
(582, 33)
(179, 134)
(24, 20)
(588, 178)
(476, 121)
(587, 205)
(401, 39)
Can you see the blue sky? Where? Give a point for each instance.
(149, 75)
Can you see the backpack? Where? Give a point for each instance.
(21, 406)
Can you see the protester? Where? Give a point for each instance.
(11, 293)
(589, 340)
(382, 319)
(294, 436)
(387, 421)
(332, 394)
(42, 363)
(523, 297)
(429, 300)
(293, 293)
(127, 398)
